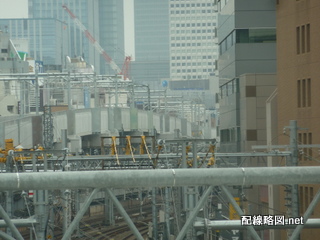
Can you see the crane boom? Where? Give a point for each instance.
(93, 41)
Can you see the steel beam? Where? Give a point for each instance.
(5, 236)
(236, 224)
(8, 221)
(193, 214)
(19, 222)
(261, 147)
(255, 154)
(306, 215)
(79, 215)
(160, 178)
(124, 214)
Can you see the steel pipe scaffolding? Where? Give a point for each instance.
(236, 224)
(160, 178)
(19, 222)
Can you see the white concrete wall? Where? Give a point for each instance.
(83, 124)
(156, 121)
(104, 120)
(11, 131)
(59, 122)
(125, 117)
(142, 120)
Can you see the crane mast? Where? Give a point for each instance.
(93, 41)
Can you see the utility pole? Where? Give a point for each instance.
(117, 100)
(292, 200)
(69, 91)
(96, 99)
(37, 90)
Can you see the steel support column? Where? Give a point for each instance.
(79, 215)
(167, 211)
(124, 214)
(313, 204)
(5, 236)
(193, 214)
(108, 209)
(154, 215)
(239, 211)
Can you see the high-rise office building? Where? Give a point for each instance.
(247, 44)
(103, 19)
(151, 33)
(43, 39)
(193, 48)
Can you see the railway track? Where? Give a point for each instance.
(94, 227)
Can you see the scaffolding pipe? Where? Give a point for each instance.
(5, 236)
(8, 221)
(160, 178)
(313, 204)
(19, 222)
(193, 214)
(236, 224)
(79, 215)
(124, 214)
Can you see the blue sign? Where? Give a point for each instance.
(164, 83)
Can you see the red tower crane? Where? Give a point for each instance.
(97, 46)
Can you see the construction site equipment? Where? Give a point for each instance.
(18, 151)
(97, 46)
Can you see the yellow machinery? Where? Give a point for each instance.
(211, 159)
(9, 147)
(128, 148)
(4, 152)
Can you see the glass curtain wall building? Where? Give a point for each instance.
(151, 21)
(102, 18)
(45, 39)
(111, 32)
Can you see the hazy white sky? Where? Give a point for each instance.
(13, 8)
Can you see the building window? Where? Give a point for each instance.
(303, 34)
(225, 135)
(310, 149)
(308, 37)
(304, 93)
(306, 153)
(298, 39)
(10, 108)
(256, 35)
(306, 195)
(251, 91)
(303, 38)
(299, 93)
(308, 92)
(252, 135)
